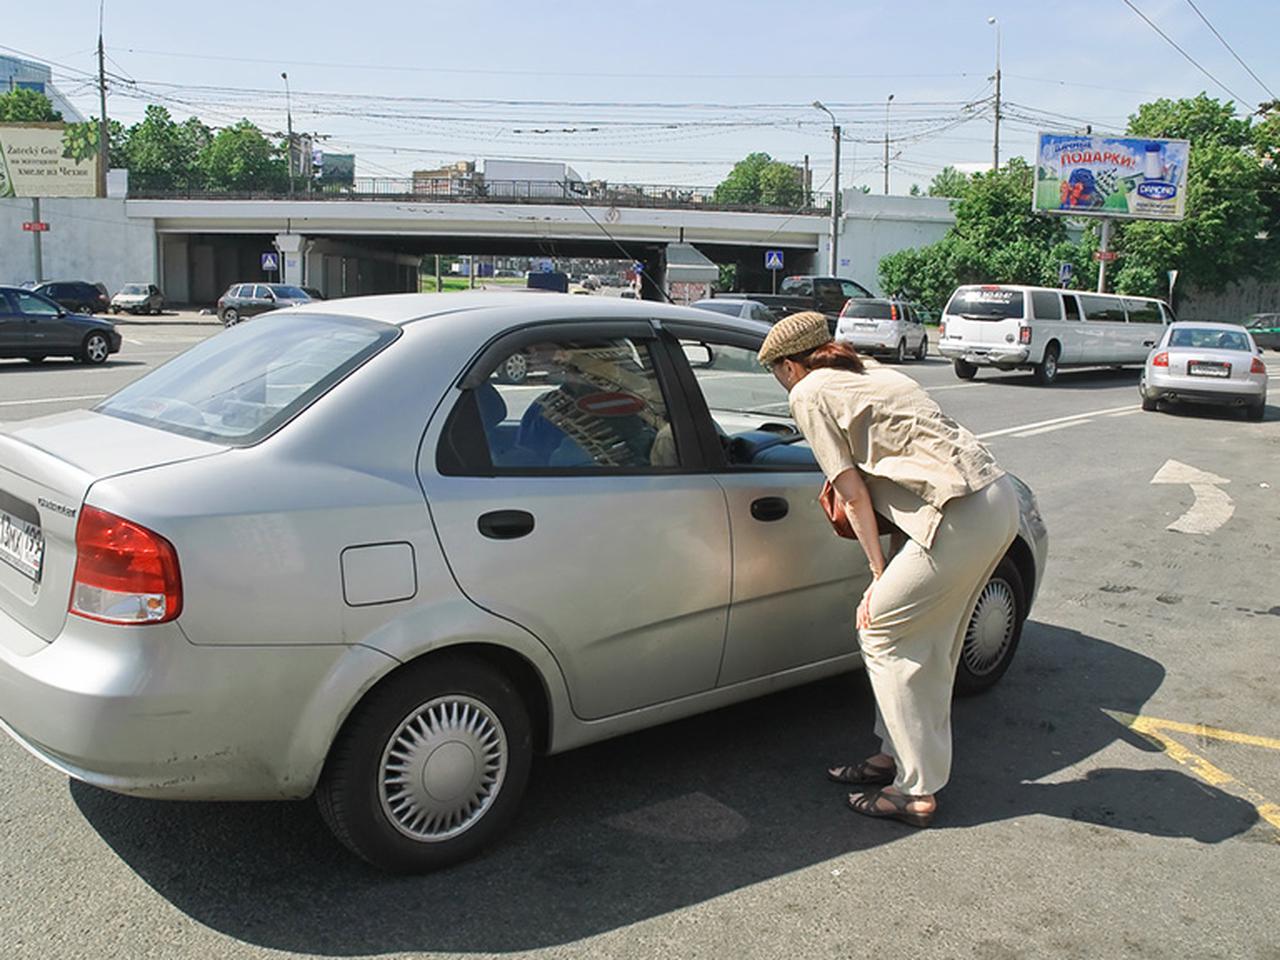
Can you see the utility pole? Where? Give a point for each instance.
(808, 181)
(995, 144)
(886, 144)
(288, 116)
(103, 155)
(835, 190)
(39, 254)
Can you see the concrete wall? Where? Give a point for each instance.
(89, 240)
(1234, 304)
(874, 226)
(340, 269)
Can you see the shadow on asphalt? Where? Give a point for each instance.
(22, 367)
(629, 829)
(1093, 378)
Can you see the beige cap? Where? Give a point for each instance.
(798, 333)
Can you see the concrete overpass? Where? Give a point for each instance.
(195, 248)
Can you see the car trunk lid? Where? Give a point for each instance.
(47, 467)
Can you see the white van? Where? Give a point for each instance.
(1044, 329)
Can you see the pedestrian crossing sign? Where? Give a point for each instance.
(773, 259)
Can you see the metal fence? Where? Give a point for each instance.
(441, 190)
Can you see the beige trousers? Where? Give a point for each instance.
(920, 609)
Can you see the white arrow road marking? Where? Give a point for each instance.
(1212, 508)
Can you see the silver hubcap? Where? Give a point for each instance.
(1051, 365)
(517, 367)
(97, 349)
(990, 628)
(231, 317)
(443, 768)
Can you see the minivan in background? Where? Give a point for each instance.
(1044, 329)
(893, 328)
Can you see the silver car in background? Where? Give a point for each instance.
(1213, 363)
(884, 327)
(333, 551)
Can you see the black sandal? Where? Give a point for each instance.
(865, 773)
(867, 804)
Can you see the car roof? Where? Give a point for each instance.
(491, 312)
(1205, 325)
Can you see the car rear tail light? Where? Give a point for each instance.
(893, 311)
(942, 330)
(125, 573)
(1160, 360)
(1257, 366)
(1024, 335)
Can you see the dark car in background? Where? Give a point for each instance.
(77, 296)
(826, 295)
(34, 327)
(244, 300)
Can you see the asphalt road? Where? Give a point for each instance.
(1065, 833)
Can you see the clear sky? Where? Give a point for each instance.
(669, 93)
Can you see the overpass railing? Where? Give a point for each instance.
(433, 190)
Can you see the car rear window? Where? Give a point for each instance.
(242, 385)
(1206, 338)
(987, 303)
(870, 310)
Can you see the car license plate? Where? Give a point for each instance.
(1201, 368)
(21, 545)
(865, 326)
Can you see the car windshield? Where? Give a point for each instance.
(869, 310)
(986, 303)
(134, 288)
(240, 386)
(288, 292)
(732, 308)
(1206, 338)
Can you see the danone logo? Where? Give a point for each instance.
(1157, 190)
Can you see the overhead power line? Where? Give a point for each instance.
(1190, 59)
(1223, 41)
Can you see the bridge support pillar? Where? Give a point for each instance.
(293, 249)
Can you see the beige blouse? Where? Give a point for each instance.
(913, 457)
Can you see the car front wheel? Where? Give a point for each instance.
(96, 349)
(993, 632)
(430, 767)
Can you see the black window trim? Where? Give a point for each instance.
(713, 451)
(486, 361)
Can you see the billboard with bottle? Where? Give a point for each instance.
(48, 160)
(1122, 177)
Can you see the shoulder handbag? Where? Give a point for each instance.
(833, 507)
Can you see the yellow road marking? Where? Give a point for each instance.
(1150, 728)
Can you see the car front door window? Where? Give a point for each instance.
(33, 306)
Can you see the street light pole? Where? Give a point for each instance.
(835, 190)
(995, 144)
(288, 115)
(886, 144)
(104, 154)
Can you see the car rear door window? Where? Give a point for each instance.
(1072, 306)
(1046, 305)
(1143, 311)
(1103, 309)
(581, 405)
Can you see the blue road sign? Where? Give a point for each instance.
(637, 267)
(1064, 272)
(271, 261)
(773, 259)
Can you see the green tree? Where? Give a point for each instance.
(1232, 226)
(162, 154)
(949, 182)
(27, 106)
(241, 158)
(759, 180)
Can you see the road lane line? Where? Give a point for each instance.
(26, 403)
(1050, 429)
(1205, 732)
(1125, 413)
(1046, 423)
(1149, 729)
(950, 386)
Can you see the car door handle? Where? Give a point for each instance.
(506, 524)
(1148, 343)
(767, 509)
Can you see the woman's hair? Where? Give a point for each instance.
(835, 354)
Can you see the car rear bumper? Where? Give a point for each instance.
(985, 354)
(1202, 389)
(142, 711)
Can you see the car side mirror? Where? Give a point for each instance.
(699, 355)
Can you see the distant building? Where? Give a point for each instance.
(452, 180)
(19, 74)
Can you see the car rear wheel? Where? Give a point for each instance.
(85, 309)
(994, 630)
(964, 369)
(1256, 411)
(95, 349)
(230, 317)
(1150, 403)
(923, 350)
(430, 767)
(1046, 370)
(900, 355)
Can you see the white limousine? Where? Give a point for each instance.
(1044, 329)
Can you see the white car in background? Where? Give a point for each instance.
(1206, 363)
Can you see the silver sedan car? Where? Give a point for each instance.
(1216, 363)
(333, 551)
